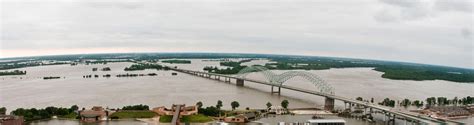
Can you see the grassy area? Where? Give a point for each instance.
(72, 115)
(177, 61)
(166, 118)
(133, 114)
(199, 118)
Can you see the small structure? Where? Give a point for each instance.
(96, 114)
(11, 120)
(174, 73)
(277, 110)
(327, 122)
(189, 110)
(241, 118)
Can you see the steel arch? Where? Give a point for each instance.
(279, 79)
(314, 79)
(270, 76)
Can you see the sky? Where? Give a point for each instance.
(436, 32)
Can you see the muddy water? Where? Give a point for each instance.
(31, 90)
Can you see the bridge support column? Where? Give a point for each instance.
(279, 90)
(240, 82)
(226, 79)
(329, 104)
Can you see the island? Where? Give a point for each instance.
(14, 72)
(177, 61)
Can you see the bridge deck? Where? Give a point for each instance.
(408, 115)
(175, 119)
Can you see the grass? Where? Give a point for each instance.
(166, 118)
(72, 115)
(199, 118)
(133, 114)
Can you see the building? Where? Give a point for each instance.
(96, 114)
(235, 119)
(241, 118)
(327, 122)
(189, 110)
(277, 110)
(11, 120)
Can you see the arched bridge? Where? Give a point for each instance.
(324, 90)
(280, 79)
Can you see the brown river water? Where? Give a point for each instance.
(31, 91)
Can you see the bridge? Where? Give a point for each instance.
(176, 114)
(325, 90)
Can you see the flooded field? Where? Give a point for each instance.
(31, 91)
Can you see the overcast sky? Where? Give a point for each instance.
(423, 31)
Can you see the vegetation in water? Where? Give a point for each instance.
(143, 66)
(136, 107)
(177, 61)
(14, 72)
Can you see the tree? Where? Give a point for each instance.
(405, 102)
(359, 98)
(199, 104)
(285, 103)
(372, 100)
(234, 104)
(74, 108)
(269, 104)
(3, 111)
(219, 104)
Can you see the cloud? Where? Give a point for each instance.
(375, 29)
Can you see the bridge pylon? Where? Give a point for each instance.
(329, 104)
(279, 90)
(240, 82)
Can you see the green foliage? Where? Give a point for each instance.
(285, 104)
(133, 114)
(405, 102)
(234, 104)
(14, 72)
(233, 68)
(199, 118)
(38, 114)
(143, 66)
(71, 115)
(269, 104)
(136, 107)
(209, 111)
(388, 102)
(219, 104)
(199, 104)
(177, 61)
(417, 103)
(3, 111)
(401, 72)
(442, 101)
(166, 118)
(431, 101)
(74, 108)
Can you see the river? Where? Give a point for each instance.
(31, 91)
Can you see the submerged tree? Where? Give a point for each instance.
(234, 104)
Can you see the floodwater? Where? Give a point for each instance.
(31, 91)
